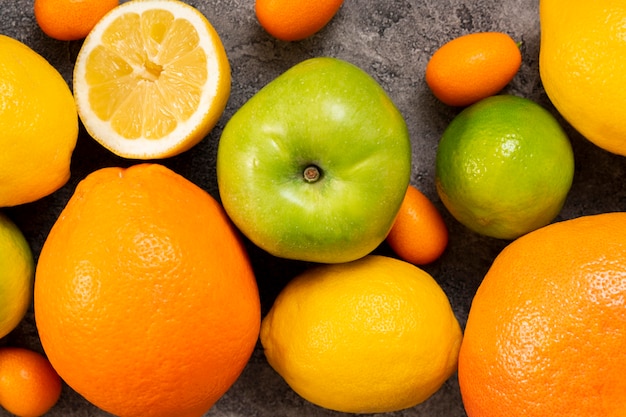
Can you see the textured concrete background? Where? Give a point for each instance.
(390, 39)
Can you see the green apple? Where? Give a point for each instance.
(314, 166)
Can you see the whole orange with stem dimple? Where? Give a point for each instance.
(29, 386)
(472, 67)
(295, 20)
(418, 235)
(145, 299)
(69, 20)
(546, 331)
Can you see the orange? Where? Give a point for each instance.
(546, 331)
(145, 299)
(472, 67)
(418, 235)
(29, 386)
(295, 20)
(69, 20)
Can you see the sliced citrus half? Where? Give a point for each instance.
(151, 79)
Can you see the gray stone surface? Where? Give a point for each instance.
(392, 40)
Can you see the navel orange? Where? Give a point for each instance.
(145, 300)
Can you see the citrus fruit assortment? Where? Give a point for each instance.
(128, 289)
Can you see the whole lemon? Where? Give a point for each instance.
(39, 125)
(17, 271)
(504, 167)
(369, 336)
(583, 44)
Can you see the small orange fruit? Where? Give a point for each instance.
(69, 20)
(145, 299)
(295, 20)
(29, 386)
(472, 67)
(546, 332)
(418, 235)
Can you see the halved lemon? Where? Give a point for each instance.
(152, 79)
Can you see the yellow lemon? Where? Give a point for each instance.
(38, 125)
(17, 271)
(151, 79)
(583, 44)
(369, 336)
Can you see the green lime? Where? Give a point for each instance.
(17, 271)
(504, 167)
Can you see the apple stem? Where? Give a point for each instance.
(311, 173)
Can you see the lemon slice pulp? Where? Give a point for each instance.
(151, 79)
